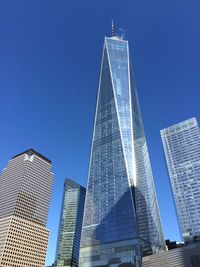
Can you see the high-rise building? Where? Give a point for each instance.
(181, 143)
(25, 190)
(121, 210)
(70, 225)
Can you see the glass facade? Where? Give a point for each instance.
(181, 144)
(111, 235)
(70, 225)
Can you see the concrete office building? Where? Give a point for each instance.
(181, 144)
(25, 190)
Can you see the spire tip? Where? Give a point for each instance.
(113, 28)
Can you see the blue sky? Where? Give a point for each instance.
(50, 54)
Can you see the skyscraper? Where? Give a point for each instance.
(25, 190)
(120, 188)
(70, 225)
(181, 143)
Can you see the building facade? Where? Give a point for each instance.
(70, 225)
(25, 190)
(173, 244)
(188, 256)
(181, 143)
(121, 210)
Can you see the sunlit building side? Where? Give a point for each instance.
(25, 190)
(181, 143)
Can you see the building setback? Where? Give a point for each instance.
(181, 143)
(25, 190)
(70, 225)
(121, 210)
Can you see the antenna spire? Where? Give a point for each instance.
(113, 29)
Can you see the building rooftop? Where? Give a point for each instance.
(31, 152)
(180, 125)
(73, 184)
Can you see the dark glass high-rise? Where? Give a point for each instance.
(68, 245)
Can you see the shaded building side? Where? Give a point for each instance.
(70, 224)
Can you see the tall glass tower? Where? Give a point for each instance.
(181, 144)
(70, 225)
(121, 211)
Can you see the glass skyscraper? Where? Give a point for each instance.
(121, 211)
(70, 225)
(181, 144)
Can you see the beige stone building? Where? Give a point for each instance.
(25, 190)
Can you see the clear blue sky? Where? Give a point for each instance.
(50, 54)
